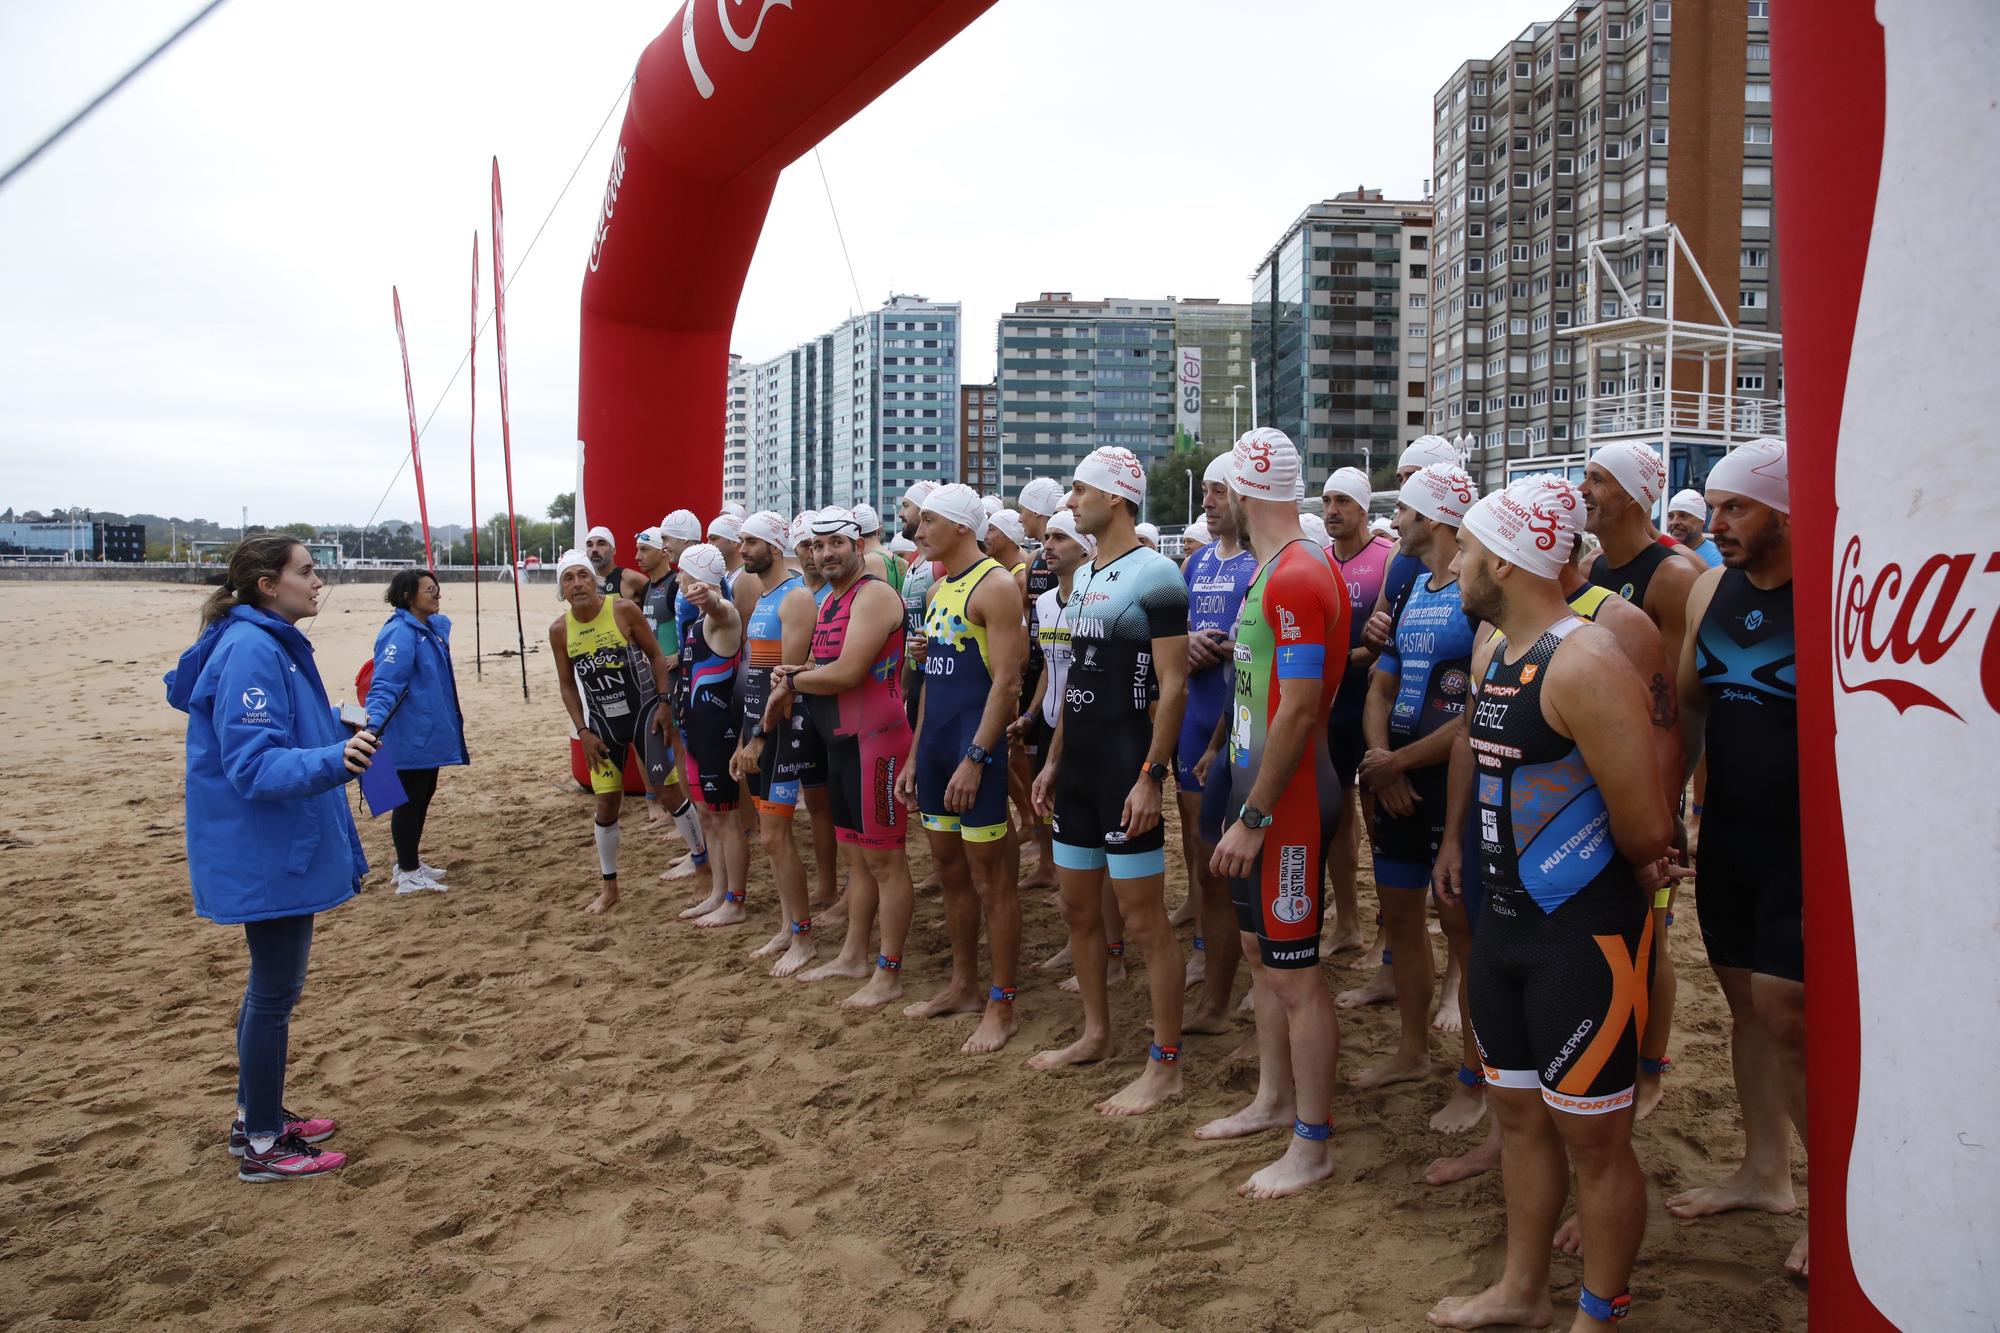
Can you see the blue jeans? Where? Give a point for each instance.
(278, 952)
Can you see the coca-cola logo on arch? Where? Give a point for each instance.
(1896, 630)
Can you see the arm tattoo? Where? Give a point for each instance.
(1666, 712)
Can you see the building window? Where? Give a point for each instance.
(1760, 9)
(1751, 298)
(1756, 217)
(1750, 383)
(1478, 123)
(1656, 300)
(1517, 326)
(1662, 10)
(1755, 133)
(1756, 92)
(1758, 51)
(1479, 87)
(1418, 300)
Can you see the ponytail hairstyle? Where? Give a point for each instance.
(263, 556)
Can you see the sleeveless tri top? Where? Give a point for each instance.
(1631, 579)
(764, 647)
(877, 703)
(1544, 830)
(612, 675)
(958, 671)
(1746, 656)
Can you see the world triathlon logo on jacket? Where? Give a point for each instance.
(256, 705)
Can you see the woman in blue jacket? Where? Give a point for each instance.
(413, 680)
(270, 842)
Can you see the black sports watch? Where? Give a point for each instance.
(1251, 817)
(757, 732)
(1157, 772)
(979, 754)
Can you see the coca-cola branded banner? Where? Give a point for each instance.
(723, 99)
(1888, 165)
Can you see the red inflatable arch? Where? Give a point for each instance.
(727, 96)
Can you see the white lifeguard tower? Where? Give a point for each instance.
(1673, 381)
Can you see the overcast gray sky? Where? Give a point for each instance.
(194, 285)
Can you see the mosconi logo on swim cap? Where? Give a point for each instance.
(1876, 615)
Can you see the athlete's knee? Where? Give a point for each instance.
(1598, 1145)
(608, 806)
(774, 832)
(1082, 910)
(1780, 1008)
(1297, 988)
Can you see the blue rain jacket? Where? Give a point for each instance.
(269, 833)
(413, 663)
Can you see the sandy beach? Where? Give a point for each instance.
(560, 1121)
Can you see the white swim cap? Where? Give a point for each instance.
(1428, 449)
(1008, 524)
(602, 534)
(1115, 471)
(704, 563)
(767, 527)
(1757, 470)
(1636, 467)
(1351, 482)
(1217, 472)
(1064, 521)
(1526, 526)
(867, 519)
(1042, 495)
(1265, 466)
(958, 503)
(1314, 527)
(1688, 502)
(834, 521)
(1440, 491)
(726, 526)
(1149, 532)
(681, 525)
(569, 559)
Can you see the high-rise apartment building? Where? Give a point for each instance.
(856, 414)
(1615, 117)
(1341, 327)
(1221, 333)
(1073, 375)
(979, 429)
(736, 434)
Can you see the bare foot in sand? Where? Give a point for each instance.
(1795, 1262)
(684, 868)
(1495, 1305)
(832, 917)
(1465, 1108)
(962, 1000)
(1569, 1237)
(1398, 1069)
(606, 899)
(1056, 961)
(731, 913)
(1304, 1163)
(882, 988)
(703, 906)
(1244, 1054)
(1256, 1118)
(1197, 969)
(1381, 989)
(843, 967)
(776, 944)
(797, 956)
(995, 1030)
(1161, 1081)
(1085, 1050)
(1248, 1004)
(1183, 914)
(1451, 1170)
(1447, 1018)
(1734, 1191)
(1114, 972)
(1202, 1023)
(1041, 877)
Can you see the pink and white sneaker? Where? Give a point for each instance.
(290, 1158)
(312, 1131)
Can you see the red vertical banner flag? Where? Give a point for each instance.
(410, 402)
(506, 436)
(472, 451)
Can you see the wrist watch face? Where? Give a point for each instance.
(1157, 772)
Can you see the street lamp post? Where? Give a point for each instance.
(1190, 503)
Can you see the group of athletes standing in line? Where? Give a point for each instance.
(1053, 656)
